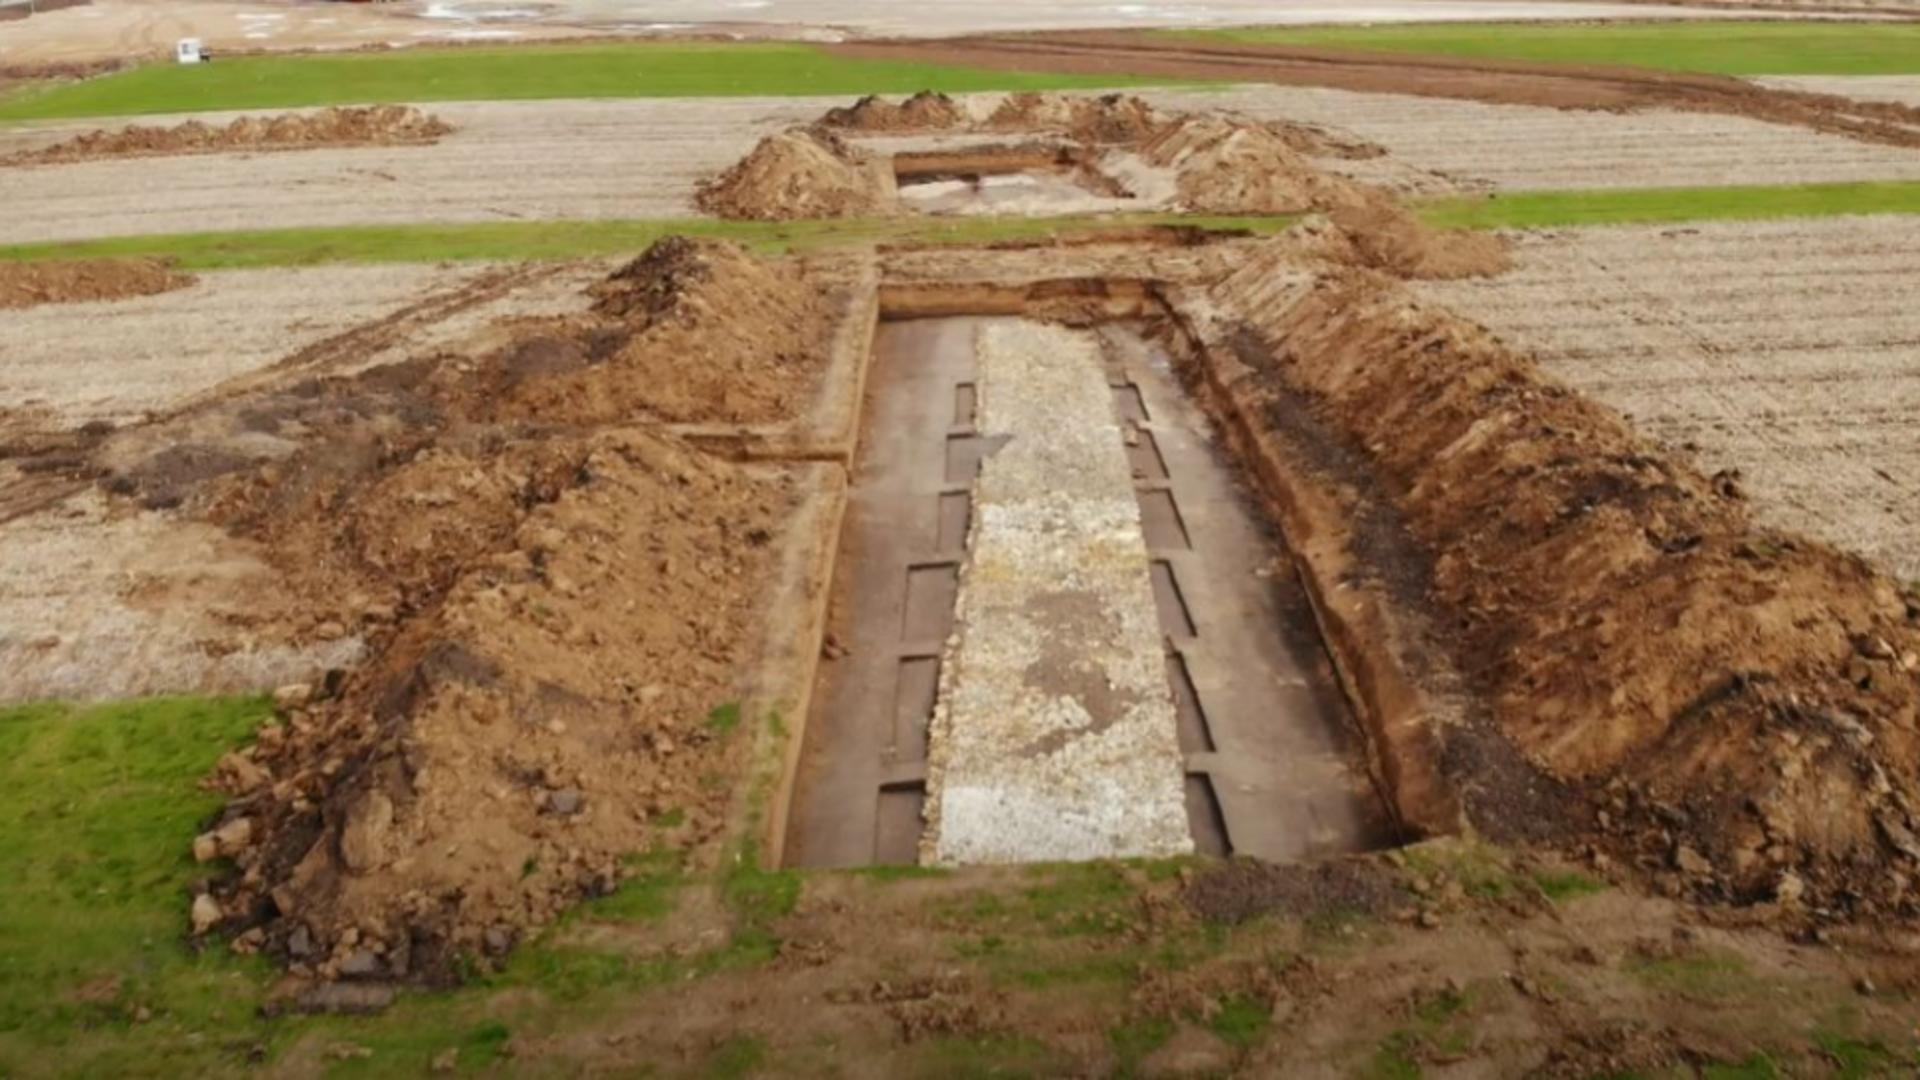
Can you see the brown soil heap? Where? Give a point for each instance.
(1380, 234)
(556, 604)
(30, 284)
(373, 125)
(1114, 118)
(802, 173)
(1739, 706)
(924, 111)
(1227, 166)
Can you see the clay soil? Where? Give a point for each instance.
(373, 125)
(26, 285)
(1498, 81)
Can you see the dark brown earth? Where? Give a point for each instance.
(559, 597)
(1562, 86)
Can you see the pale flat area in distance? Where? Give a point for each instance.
(112, 29)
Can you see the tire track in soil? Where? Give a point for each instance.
(1509, 82)
(47, 477)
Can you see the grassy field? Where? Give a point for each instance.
(576, 239)
(508, 74)
(1541, 209)
(1724, 48)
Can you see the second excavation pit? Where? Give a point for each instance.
(1061, 630)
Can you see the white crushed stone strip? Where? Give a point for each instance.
(1053, 737)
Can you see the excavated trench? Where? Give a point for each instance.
(1156, 652)
(997, 177)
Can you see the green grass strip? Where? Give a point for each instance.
(634, 70)
(577, 239)
(1708, 46)
(516, 240)
(1542, 209)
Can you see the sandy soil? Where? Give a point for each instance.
(630, 159)
(138, 28)
(579, 159)
(1904, 89)
(77, 363)
(1785, 351)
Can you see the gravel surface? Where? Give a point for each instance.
(1788, 351)
(114, 361)
(1902, 89)
(1053, 737)
(1522, 147)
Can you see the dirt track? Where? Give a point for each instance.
(1784, 351)
(1562, 86)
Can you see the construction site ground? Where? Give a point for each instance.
(1431, 653)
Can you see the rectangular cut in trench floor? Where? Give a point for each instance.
(1053, 735)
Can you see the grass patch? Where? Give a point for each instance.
(1654, 206)
(1757, 1066)
(518, 73)
(1563, 885)
(1242, 1021)
(1134, 1040)
(1855, 1058)
(892, 872)
(1713, 47)
(980, 1057)
(1707, 974)
(724, 718)
(101, 805)
(513, 240)
(648, 893)
(737, 1057)
(537, 240)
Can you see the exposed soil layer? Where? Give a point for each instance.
(31, 284)
(802, 173)
(556, 603)
(1503, 81)
(1737, 705)
(1195, 162)
(372, 125)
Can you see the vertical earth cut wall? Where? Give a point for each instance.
(1054, 734)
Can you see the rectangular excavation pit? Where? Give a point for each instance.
(1264, 758)
(978, 179)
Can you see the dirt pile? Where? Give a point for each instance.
(373, 125)
(1379, 234)
(30, 284)
(1227, 166)
(924, 111)
(560, 609)
(691, 333)
(802, 173)
(1112, 118)
(1739, 707)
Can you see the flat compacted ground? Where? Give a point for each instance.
(1783, 350)
(516, 161)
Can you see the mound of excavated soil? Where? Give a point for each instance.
(802, 173)
(1740, 706)
(1227, 166)
(925, 111)
(1380, 234)
(30, 284)
(1114, 118)
(711, 335)
(373, 125)
(555, 602)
